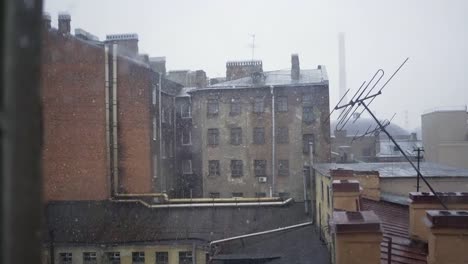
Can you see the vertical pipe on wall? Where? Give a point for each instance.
(273, 141)
(114, 118)
(108, 144)
(161, 180)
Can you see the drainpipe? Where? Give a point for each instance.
(162, 187)
(273, 139)
(306, 204)
(312, 172)
(174, 142)
(114, 118)
(194, 254)
(108, 144)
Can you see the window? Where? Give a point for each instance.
(259, 135)
(213, 136)
(138, 257)
(113, 257)
(260, 194)
(187, 166)
(185, 111)
(308, 114)
(162, 257)
(169, 116)
(306, 139)
(171, 148)
(89, 258)
(281, 104)
(236, 136)
(163, 149)
(282, 135)
(236, 168)
(284, 195)
(237, 195)
(214, 195)
(163, 115)
(155, 128)
(235, 107)
(283, 167)
(65, 258)
(306, 100)
(259, 105)
(212, 107)
(186, 137)
(260, 167)
(185, 257)
(154, 95)
(213, 168)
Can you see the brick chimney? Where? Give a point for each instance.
(357, 237)
(448, 236)
(295, 68)
(64, 23)
(346, 195)
(239, 69)
(46, 21)
(420, 202)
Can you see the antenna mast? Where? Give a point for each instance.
(253, 45)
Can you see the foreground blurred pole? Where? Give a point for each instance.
(20, 131)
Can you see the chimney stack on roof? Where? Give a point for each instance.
(127, 43)
(46, 21)
(295, 68)
(64, 23)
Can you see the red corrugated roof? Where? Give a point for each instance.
(395, 220)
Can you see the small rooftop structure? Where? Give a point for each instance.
(126, 36)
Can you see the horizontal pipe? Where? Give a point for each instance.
(260, 233)
(192, 205)
(217, 200)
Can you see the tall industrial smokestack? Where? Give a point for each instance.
(342, 65)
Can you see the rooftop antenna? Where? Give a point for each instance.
(361, 101)
(253, 45)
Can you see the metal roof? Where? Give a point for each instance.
(278, 78)
(395, 169)
(394, 221)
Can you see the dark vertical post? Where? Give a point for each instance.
(21, 205)
(389, 250)
(419, 157)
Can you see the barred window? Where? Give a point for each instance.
(113, 257)
(259, 135)
(306, 100)
(186, 137)
(138, 257)
(281, 104)
(89, 258)
(260, 194)
(259, 105)
(236, 168)
(236, 107)
(237, 195)
(65, 258)
(282, 135)
(213, 168)
(308, 114)
(162, 257)
(283, 167)
(260, 167)
(185, 257)
(212, 107)
(236, 136)
(213, 136)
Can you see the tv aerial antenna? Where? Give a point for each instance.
(360, 102)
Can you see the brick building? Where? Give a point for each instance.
(251, 135)
(102, 131)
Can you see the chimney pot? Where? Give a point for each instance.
(295, 68)
(64, 23)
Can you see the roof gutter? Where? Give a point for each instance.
(195, 205)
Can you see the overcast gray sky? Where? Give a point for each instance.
(379, 34)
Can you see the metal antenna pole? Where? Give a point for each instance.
(419, 157)
(404, 154)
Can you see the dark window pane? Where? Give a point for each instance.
(259, 105)
(237, 195)
(213, 168)
(138, 257)
(213, 136)
(281, 104)
(214, 195)
(306, 139)
(236, 168)
(235, 106)
(282, 135)
(308, 114)
(236, 136)
(185, 257)
(162, 258)
(259, 135)
(212, 107)
(260, 167)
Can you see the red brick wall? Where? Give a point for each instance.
(134, 126)
(74, 151)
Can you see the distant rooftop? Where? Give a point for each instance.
(462, 108)
(157, 59)
(396, 169)
(278, 78)
(184, 92)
